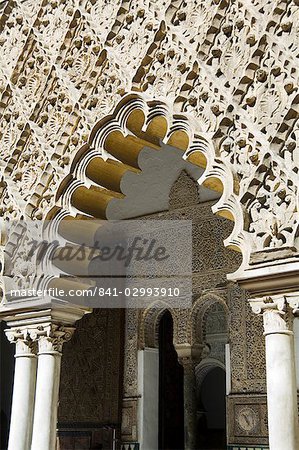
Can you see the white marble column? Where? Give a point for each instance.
(23, 392)
(47, 387)
(280, 373)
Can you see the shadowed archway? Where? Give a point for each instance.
(171, 389)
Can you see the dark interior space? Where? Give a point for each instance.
(211, 423)
(171, 393)
(7, 362)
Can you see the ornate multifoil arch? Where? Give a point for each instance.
(114, 152)
(149, 325)
(198, 312)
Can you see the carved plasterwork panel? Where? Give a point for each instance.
(52, 23)
(23, 166)
(102, 15)
(246, 345)
(192, 19)
(247, 422)
(91, 376)
(14, 31)
(109, 80)
(12, 123)
(169, 64)
(9, 205)
(30, 74)
(130, 359)
(128, 45)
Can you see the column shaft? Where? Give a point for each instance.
(46, 402)
(36, 380)
(23, 398)
(281, 391)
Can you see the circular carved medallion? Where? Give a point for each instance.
(247, 419)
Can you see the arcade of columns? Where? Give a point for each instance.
(75, 127)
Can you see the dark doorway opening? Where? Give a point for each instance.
(212, 412)
(171, 390)
(7, 363)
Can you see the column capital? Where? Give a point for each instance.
(25, 347)
(261, 304)
(189, 355)
(275, 313)
(51, 337)
(292, 299)
(45, 329)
